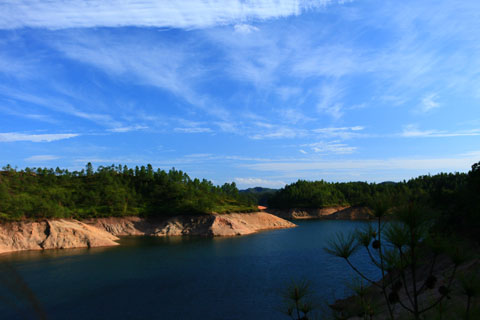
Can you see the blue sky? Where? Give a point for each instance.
(256, 92)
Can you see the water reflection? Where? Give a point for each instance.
(29, 255)
(17, 295)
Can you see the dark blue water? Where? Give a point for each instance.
(183, 278)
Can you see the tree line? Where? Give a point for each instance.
(455, 197)
(36, 193)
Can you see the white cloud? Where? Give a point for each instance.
(128, 129)
(329, 61)
(455, 163)
(429, 103)
(257, 182)
(16, 136)
(245, 28)
(199, 155)
(42, 157)
(340, 132)
(228, 126)
(303, 151)
(193, 130)
(57, 104)
(292, 115)
(279, 133)
(26, 114)
(332, 147)
(175, 67)
(288, 92)
(265, 130)
(24, 66)
(330, 101)
(412, 131)
(58, 14)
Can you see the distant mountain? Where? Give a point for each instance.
(258, 190)
(259, 194)
(388, 183)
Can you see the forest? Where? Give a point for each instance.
(37, 193)
(454, 197)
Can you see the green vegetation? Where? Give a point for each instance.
(112, 191)
(418, 266)
(424, 241)
(454, 196)
(298, 300)
(317, 194)
(428, 238)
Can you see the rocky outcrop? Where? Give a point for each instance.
(239, 224)
(69, 233)
(52, 234)
(204, 225)
(330, 213)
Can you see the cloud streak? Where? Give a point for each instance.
(459, 162)
(332, 147)
(42, 157)
(174, 66)
(193, 130)
(412, 131)
(429, 103)
(16, 136)
(188, 14)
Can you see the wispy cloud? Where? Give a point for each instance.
(459, 162)
(412, 131)
(330, 100)
(265, 130)
(16, 136)
(193, 130)
(57, 14)
(128, 129)
(327, 61)
(279, 132)
(42, 157)
(331, 147)
(172, 66)
(293, 115)
(57, 104)
(19, 67)
(429, 103)
(286, 92)
(27, 114)
(245, 28)
(339, 132)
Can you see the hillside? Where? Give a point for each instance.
(37, 193)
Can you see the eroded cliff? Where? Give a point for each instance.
(231, 224)
(69, 233)
(52, 234)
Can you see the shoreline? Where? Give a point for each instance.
(105, 232)
(326, 213)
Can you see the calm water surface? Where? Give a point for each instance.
(184, 278)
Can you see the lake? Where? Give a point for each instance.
(182, 278)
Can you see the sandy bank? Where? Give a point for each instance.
(232, 224)
(69, 233)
